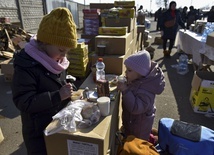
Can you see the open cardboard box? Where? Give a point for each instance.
(99, 139)
(202, 92)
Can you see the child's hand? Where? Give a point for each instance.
(122, 86)
(66, 91)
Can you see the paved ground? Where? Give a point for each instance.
(173, 102)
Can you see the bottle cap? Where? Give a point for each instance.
(100, 59)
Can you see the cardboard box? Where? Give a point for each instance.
(121, 22)
(101, 5)
(125, 4)
(210, 39)
(202, 92)
(113, 63)
(127, 13)
(7, 69)
(99, 139)
(117, 31)
(92, 40)
(115, 45)
(134, 32)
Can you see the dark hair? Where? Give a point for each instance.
(171, 3)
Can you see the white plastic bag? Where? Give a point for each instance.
(70, 118)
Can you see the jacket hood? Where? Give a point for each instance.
(22, 59)
(154, 82)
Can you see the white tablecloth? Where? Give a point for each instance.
(190, 42)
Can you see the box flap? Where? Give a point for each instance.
(196, 81)
(199, 76)
(205, 75)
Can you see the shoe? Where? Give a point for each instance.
(166, 53)
(154, 131)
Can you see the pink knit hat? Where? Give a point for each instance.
(140, 62)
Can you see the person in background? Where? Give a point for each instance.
(145, 80)
(171, 19)
(210, 15)
(141, 16)
(191, 16)
(159, 17)
(140, 8)
(184, 14)
(38, 86)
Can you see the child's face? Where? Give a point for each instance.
(131, 75)
(56, 52)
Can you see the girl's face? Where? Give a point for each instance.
(56, 52)
(131, 75)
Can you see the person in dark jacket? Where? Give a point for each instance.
(145, 80)
(159, 16)
(210, 15)
(184, 14)
(38, 86)
(171, 18)
(191, 16)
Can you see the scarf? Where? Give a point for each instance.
(173, 13)
(49, 63)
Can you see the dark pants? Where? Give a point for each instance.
(171, 44)
(158, 25)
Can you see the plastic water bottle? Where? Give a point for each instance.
(100, 70)
(102, 83)
(183, 64)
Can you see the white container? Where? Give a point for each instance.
(104, 105)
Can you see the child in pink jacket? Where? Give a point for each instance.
(145, 79)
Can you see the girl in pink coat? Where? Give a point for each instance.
(145, 79)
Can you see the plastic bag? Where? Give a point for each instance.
(70, 118)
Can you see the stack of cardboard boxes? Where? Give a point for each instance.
(78, 58)
(118, 35)
(91, 23)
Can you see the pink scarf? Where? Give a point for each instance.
(49, 63)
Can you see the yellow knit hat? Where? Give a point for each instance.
(58, 28)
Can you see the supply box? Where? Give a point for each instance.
(98, 139)
(7, 69)
(202, 92)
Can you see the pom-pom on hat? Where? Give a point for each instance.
(58, 28)
(140, 62)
